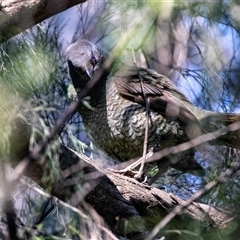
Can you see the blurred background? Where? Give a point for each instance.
(196, 45)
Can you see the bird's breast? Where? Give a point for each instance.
(117, 126)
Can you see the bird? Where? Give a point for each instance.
(115, 115)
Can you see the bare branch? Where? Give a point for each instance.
(17, 16)
(185, 146)
(143, 198)
(178, 210)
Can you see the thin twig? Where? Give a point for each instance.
(40, 148)
(8, 205)
(47, 195)
(184, 146)
(67, 205)
(11, 217)
(147, 101)
(177, 210)
(194, 142)
(2, 236)
(99, 220)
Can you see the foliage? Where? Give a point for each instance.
(195, 44)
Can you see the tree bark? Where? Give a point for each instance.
(132, 209)
(16, 16)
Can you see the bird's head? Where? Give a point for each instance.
(84, 59)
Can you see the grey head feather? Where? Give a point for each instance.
(84, 59)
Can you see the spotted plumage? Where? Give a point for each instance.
(116, 120)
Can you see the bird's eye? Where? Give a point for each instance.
(93, 60)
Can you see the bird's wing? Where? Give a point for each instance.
(163, 96)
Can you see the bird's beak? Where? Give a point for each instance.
(89, 73)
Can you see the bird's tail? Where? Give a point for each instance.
(228, 122)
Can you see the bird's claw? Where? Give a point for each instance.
(130, 173)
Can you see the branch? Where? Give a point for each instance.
(185, 204)
(123, 202)
(17, 16)
(204, 138)
(41, 146)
